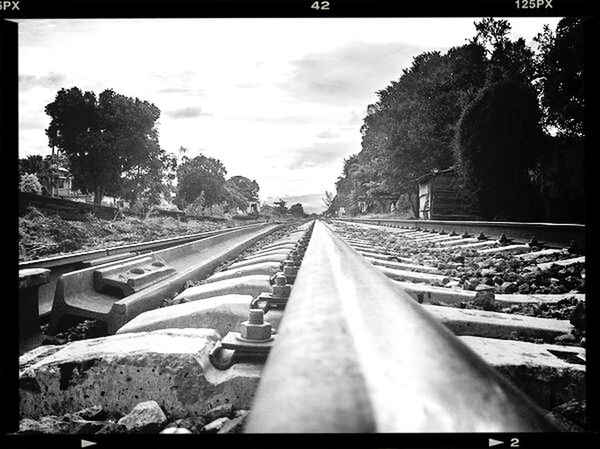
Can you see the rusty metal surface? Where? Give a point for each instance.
(355, 353)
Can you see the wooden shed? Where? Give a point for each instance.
(441, 198)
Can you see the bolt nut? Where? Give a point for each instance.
(290, 271)
(256, 331)
(280, 280)
(282, 291)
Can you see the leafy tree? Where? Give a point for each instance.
(328, 199)
(150, 181)
(232, 197)
(32, 164)
(508, 59)
(560, 67)
(280, 207)
(248, 188)
(239, 191)
(103, 137)
(197, 175)
(196, 207)
(497, 144)
(297, 210)
(29, 183)
(409, 130)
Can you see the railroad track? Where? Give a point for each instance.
(339, 327)
(59, 265)
(89, 284)
(552, 234)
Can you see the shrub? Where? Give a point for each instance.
(30, 183)
(497, 142)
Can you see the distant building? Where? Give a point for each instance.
(253, 208)
(56, 182)
(441, 198)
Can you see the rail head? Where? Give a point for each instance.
(355, 353)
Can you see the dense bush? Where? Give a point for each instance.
(30, 183)
(497, 143)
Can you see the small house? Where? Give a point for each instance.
(253, 208)
(441, 198)
(57, 182)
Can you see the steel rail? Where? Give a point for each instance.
(354, 353)
(75, 258)
(60, 265)
(555, 234)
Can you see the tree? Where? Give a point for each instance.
(32, 164)
(29, 183)
(497, 144)
(560, 68)
(328, 199)
(280, 207)
(297, 210)
(248, 188)
(508, 59)
(103, 137)
(150, 181)
(239, 192)
(197, 175)
(410, 129)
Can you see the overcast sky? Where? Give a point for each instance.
(280, 101)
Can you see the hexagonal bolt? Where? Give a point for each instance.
(281, 289)
(533, 242)
(503, 240)
(465, 235)
(256, 328)
(481, 236)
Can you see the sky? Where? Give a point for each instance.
(280, 101)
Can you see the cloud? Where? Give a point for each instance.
(348, 74)
(32, 123)
(189, 112)
(176, 83)
(328, 135)
(247, 85)
(319, 153)
(51, 80)
(356, 119)
(283, 120)
(179, 90)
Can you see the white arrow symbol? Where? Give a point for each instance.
(85, 443)
(493, 442)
